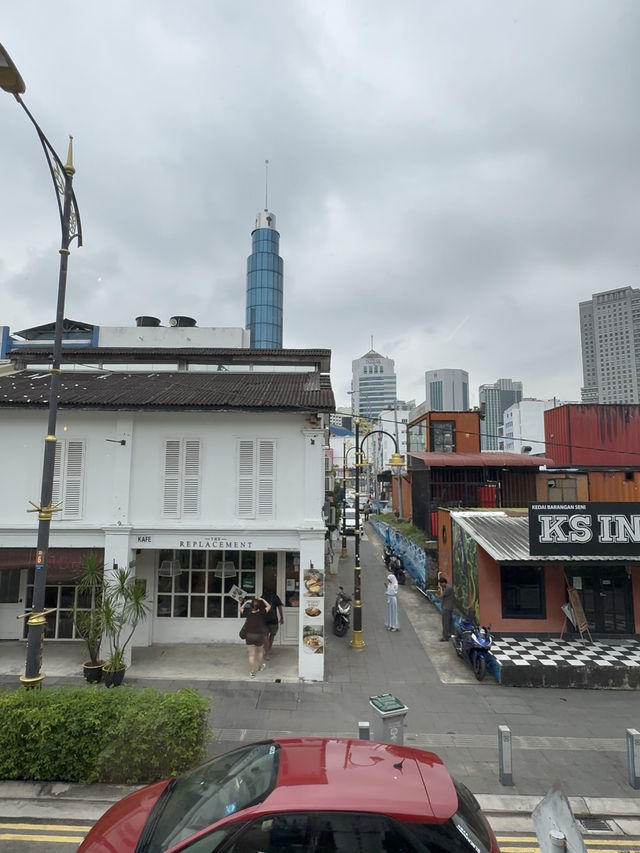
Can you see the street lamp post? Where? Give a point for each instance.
(62, 176)
(395, 463)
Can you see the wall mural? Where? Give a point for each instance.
(465, 573)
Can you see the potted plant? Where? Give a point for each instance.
(124, 605)
(89, 620)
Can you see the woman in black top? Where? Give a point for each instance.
(256, 627)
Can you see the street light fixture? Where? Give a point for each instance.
(396, 462)
(62, 176)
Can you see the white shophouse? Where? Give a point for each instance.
(204, 474)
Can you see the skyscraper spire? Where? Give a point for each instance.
(265, 280)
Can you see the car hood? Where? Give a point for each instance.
(119, 829)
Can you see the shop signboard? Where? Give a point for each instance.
(584, 529)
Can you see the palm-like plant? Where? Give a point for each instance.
(89, 621)
(124, 605)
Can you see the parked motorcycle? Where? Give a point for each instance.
(472, 643)
(341, 612)
(387, 554)
(397, 567)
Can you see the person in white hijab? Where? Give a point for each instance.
(391, 595)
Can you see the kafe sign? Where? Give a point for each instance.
(589, 529)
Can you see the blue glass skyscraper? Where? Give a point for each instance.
(264, 284)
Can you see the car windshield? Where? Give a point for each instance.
(214, 790)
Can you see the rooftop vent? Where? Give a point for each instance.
(182, 321)
(147, 321)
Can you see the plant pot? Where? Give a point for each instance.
(92, 671)
(113, 677)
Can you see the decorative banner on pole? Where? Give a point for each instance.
(584, 529)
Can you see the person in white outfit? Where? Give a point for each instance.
(391, 594)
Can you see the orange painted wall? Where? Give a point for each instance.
(491, 605)
(467, 429)
(613, 486)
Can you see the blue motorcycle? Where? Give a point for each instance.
(472, 643)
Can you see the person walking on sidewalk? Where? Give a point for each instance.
(274, 619)
(391, 595)
(446, 597)
(255, 628)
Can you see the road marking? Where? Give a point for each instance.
(61, 839)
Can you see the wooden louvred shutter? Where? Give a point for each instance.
(246, 473)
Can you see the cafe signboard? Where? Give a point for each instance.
(584, 529)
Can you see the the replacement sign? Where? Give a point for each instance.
(589, 529)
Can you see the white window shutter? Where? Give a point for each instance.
(171, 497)
(266, 477)
(246, 474)
(73, 479)
(191, 478)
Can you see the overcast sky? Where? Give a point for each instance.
(449, 178)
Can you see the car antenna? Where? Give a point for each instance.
(398, 766)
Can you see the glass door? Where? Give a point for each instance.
(11, 605)
(606, 597)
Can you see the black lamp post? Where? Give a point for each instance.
(395, 463)
(62, 176)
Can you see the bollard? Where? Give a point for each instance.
(557, 840)
(633, 757)
(364, 731)
(505, 762)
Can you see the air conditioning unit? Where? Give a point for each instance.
(225, 569)
(170, 568)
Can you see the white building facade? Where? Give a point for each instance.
(205, 482)
(523, 426)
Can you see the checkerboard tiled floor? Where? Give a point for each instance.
(533, 651)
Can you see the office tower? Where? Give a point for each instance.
(373, 384)
(494, 401)
(610, 335)
(447, 390)
(264, 284)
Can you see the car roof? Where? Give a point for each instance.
(340, 774)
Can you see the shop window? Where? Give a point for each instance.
(523, 592)
(292, 579)
(196, 584)
(442, 437)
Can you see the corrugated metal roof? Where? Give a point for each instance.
(506, 539)
(486, 459)
(200, 391)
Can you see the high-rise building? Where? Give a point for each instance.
(373, 384)
(447, 390)
(264, 284)
(610, 335)
(494, 401)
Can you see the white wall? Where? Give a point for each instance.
(172, 336)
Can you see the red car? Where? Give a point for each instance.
(307, 794)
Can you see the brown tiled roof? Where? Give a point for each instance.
(304, 392)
